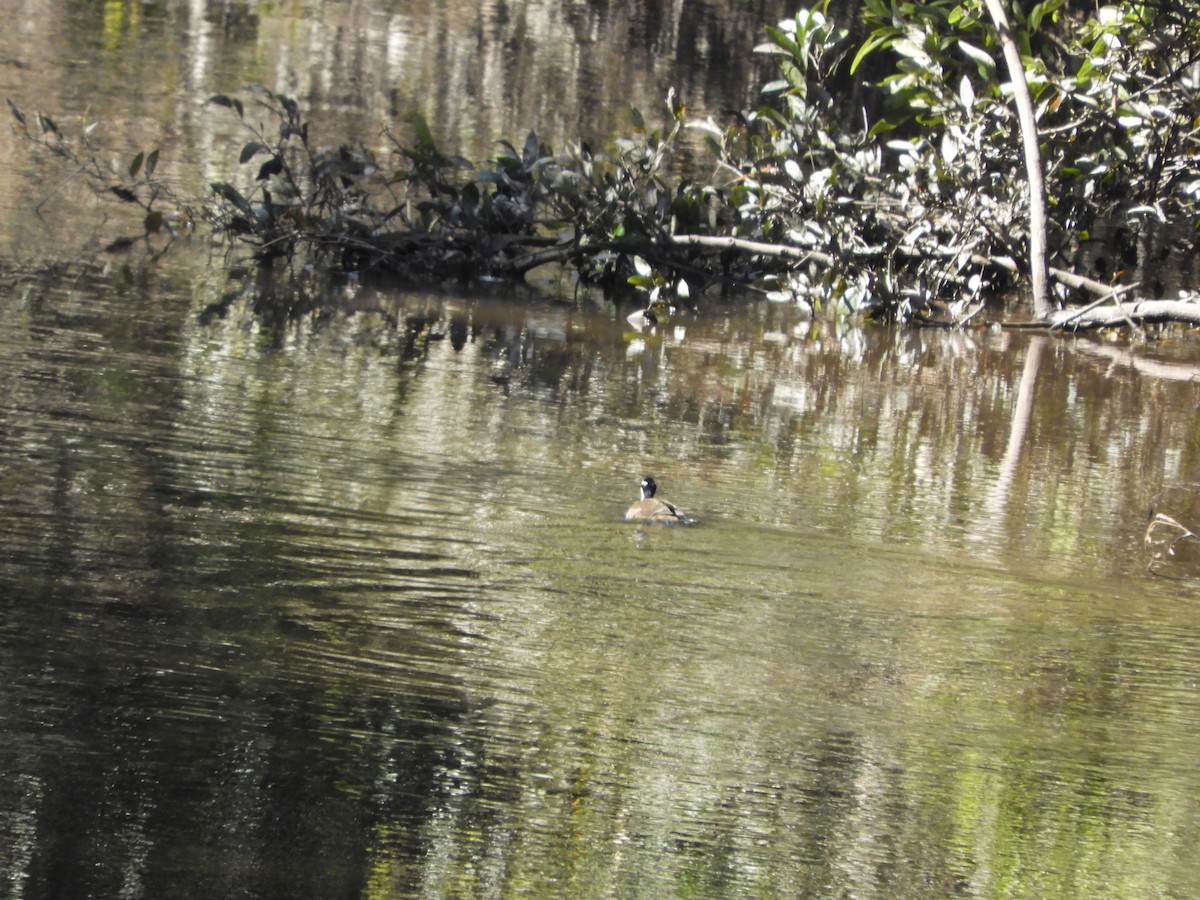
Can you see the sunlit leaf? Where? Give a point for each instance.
(949, 147)
(708, 126)
(910, 49)
(794, 77)
(677, 107)
(784, 42)
(880, 127)
(977, 56)
(966, 93)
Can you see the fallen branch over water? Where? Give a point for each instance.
(617, 220)
(1138, 312)
(779, 251)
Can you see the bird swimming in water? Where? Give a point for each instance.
(655, 510)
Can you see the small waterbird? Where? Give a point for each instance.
(654, 509)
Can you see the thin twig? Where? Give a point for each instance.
(1113, 295)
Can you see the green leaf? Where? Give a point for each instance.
(1041, 11)
(153, 222)
(120, 244)
(229, 193)
(249, 151)
(794, 76)
(977, 56)
(781, 40)
(424, 135)
(966, 93)
(290, 107)
(228, 102)
(135, 165)
(874, 42)
(881, 127)
(677, 107)
(124, 194)
(272, 166)
(151, 163)
(16, 111)
(529, 154)
(1035, 16)
(639, 122)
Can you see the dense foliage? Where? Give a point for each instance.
(921, 197)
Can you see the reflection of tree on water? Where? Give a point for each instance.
(1022, 411)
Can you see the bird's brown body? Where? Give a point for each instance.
(653, 509)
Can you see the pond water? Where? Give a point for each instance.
(345, 605)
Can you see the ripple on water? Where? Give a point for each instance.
(396, 600)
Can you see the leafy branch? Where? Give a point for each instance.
(921, 212)
(134, 182)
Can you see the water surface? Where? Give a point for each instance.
(344, 605)
(347, 606)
